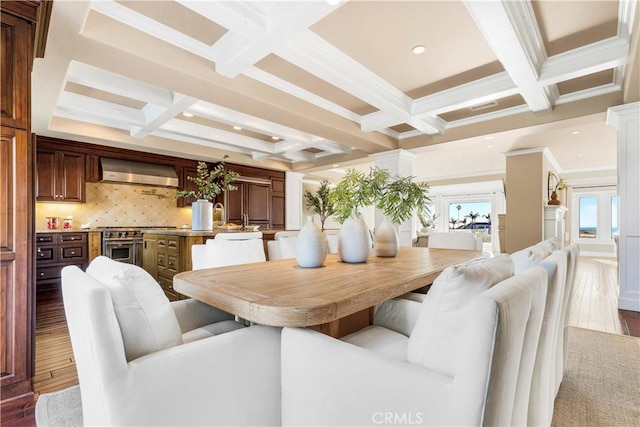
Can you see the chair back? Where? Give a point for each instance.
(98, 348)
(332, 240)
(285, 234)
(199, 257)
(542, 396)
(221, 252)
(500, 325)
(245, 235)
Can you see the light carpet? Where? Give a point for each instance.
(601, 385)
(60, 409)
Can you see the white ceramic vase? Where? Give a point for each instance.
(354, 243)
(311, 247)
(201, 215)
(386, 242)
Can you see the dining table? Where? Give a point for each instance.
(336, 299)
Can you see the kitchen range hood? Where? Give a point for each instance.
(115, 170)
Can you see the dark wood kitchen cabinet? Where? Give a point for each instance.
(60, 176)
(252, 199)
(20, 30)
(54, 251)
(260, 195)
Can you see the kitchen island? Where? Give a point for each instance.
(167, 252)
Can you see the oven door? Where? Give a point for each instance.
(121, 250)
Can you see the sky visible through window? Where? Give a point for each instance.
(588, 217)
(481, 208)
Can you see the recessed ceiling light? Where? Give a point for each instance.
(575, 132)
(418, 49)
(579, 154)
(275, 138)
(488, 138)
(489, 146)
(187, 114)
(237, 128)
(335, 166)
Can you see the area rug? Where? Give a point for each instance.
(601, 384)
(59, 409)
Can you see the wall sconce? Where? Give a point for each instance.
(554, 184)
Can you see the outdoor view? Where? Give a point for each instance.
(588, 218)
(475, 216)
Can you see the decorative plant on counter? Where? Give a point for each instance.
(210, 184)
(397, 197)
(320, 202)
(428, 219)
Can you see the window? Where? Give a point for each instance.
(588, 214)
(594, 216)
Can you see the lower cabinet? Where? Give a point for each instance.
(164, 256)
(54, 251)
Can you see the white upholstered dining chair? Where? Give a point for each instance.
(464, 362)
(283, 245)
(228, 249)
(144, 361)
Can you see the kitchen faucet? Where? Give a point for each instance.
(215, 211)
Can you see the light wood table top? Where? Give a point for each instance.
(280, 293)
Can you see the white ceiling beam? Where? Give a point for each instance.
(331, 147)
(157, 116)
(511, 31)
(108, 111)
(86, 116)
(318, 57)
(429, 125)
(97, 78)
(466, 95)
(253, 33)
(154, 28)
(231, 117)
(599, 56)
(199, 141)
(204, 132)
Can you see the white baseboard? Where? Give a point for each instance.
(629, 304)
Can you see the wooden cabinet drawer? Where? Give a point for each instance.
(64, 238)
(47, 273)
(173, 243)
(172, 264)
(45, 238)
(162, 262)
(72, 253)
(167, 286)
(45, 254)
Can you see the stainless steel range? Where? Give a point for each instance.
(124, 244)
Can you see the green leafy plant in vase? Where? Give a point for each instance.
(397, 197)
(210, 184)
(320, 202)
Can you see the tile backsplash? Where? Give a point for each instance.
(109, 204)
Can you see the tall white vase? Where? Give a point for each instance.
(202, 215)
(311, 247)
(387, 242)
(354, 244)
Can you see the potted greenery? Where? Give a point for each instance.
(320, 202)
(210, 184)
(397, 197)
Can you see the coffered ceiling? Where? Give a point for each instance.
(308, 84)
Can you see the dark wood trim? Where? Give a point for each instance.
(42, 28)
(25, 9)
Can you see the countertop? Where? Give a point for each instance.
(203, 233)
(68, 230)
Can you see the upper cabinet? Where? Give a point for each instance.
(60, 176)
(15, 70)
(260, 196)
